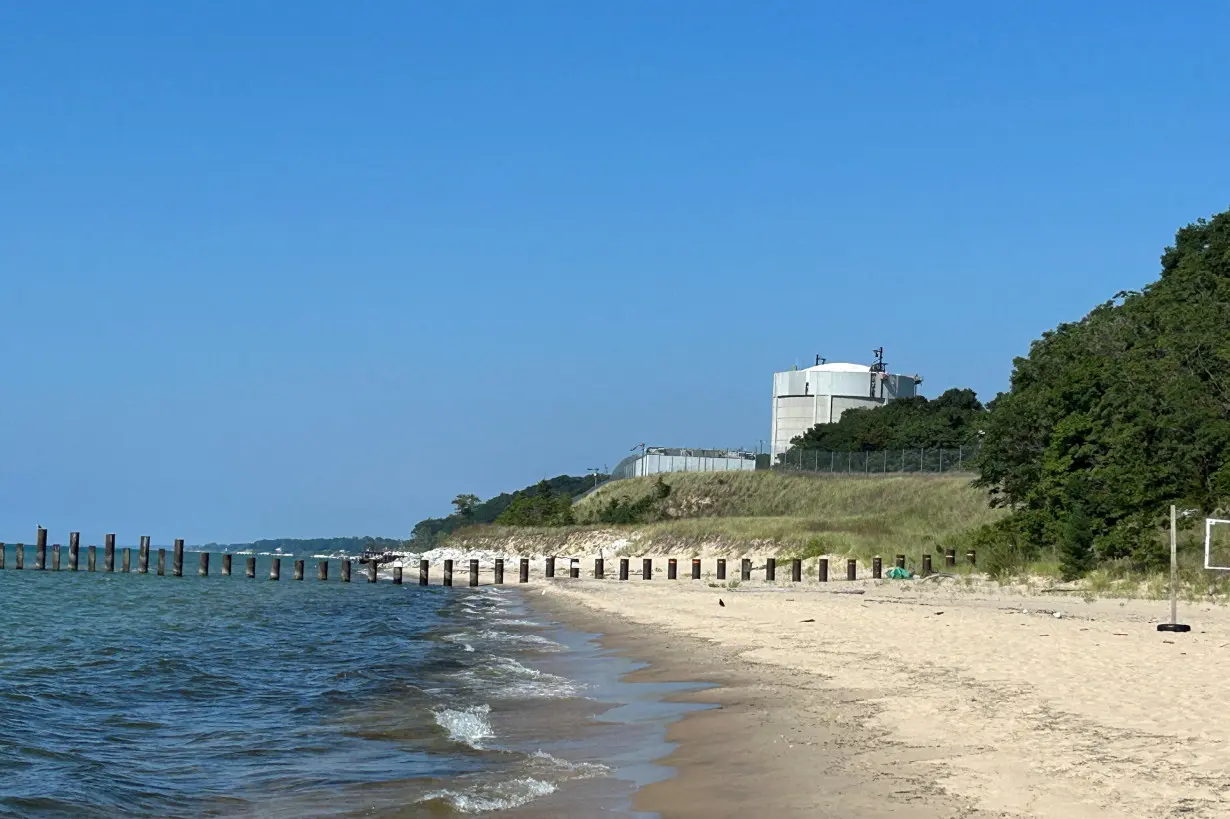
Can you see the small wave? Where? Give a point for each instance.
(506, 678)
(469, 727)
(577, 770)
(512, 622)
(500, 796)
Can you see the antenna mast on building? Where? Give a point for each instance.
(877, 368)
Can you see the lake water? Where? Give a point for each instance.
(146, 696)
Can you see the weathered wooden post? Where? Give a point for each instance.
(448, 572)
(74, 550)
(108, 553)
(524, 570)
(851, 569)
(574, 568)
(143, 555)
(371, 571)
(499, 571)
(900, 561)
(950, 558)
(91, 560)
(275, 571)
(249, 566)
(696, 568)
(721, 568)
(623, 568)
(550, 573)
(55, 557)
(177, 558)
(20, 561)
(599, 568)
(424, 570)
(796, 570)
(297, 572)
(125, 560)
(770, 569)
(473, 573)
(40, 549)
(971, 558)
(672, 569)
(397, 575)
(203, 570)
(322, 570)
(824, 569)
(926, 566)
(2, 553)
(877, 568)
(162, 562)
(226, 564)
(647, 568)
(745, 569)
(345, 571)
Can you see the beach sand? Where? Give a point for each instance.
(921, 699)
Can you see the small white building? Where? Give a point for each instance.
(820, 394)
(656, 460)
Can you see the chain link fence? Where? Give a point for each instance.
(883, 462)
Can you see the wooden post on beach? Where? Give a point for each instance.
(926, 566)
(770, 569)
(345, 571)
(796, 570)
(474, 572)
(524, 570)
(599, 569)
(40, 549)
(249, 566)
(226, 564)
(499, 571)
(143, 556)
(672, 569)
(877, 568)
(721, 568)
(275, 570)
(950, 558)
(623, 568)
(125, 560)
(322, 570)
(108, 553)
(91, 560)
(550, 567)
(397, 575)
(824, 569)
(297, 572)
(2, 552)
(574, 568)
(745, 569)
(203, 569)
(851, 569)
(55, 557)
(448, 572)
(177, 559)
(20, 561)
(647, 568)
(371, 571)
(900, 561)
(696, 568)
(162, 562)
(971, 558)
(424, 571)
(74, 548)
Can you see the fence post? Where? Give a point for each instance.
(550, 567)
(574, 568)
(926, 566)
(900, 561)
(823, 569)
(960, 457)
(950, 558)
(971, 558)
(696, 568)
(832, 462)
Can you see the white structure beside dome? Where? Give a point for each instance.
(820, 394)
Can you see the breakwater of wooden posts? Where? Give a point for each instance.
(370, 569)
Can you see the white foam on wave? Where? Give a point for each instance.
(469, 726)
(533, 641)
(505, 678)
(576, 770)
(500, 796)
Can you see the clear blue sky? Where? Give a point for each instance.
(310, 269)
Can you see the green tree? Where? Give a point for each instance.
(952, 420)
(464, 504)
(1076, 550)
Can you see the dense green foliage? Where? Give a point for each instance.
(542, 507)
(349, 545)
(1112, 418)
(427, 533)
(952, 420)
(645, 508)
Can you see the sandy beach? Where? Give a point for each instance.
(938, 698)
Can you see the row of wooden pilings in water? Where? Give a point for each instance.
(322, 568)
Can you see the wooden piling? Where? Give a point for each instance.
(55, 557)
(226, 564)
(877, 568)
(448, 572)
(143, 555)
(695, 569)
(672, 569)
(473, 573)
(745, 569)
(162, 562)
(3, 549)
(599, 568)
(550, 568)
(108, 553)
(275, 571)
(249, 567)
(40, 549)
(297, 571)
(203, 569)
(824, 569)
(926, 565)
(524, 570)
(322, 570)
(397, 575)
(721, 568)
(499, 571)
(623, 568)
(91, 561)
(900, 561)
(647, 568)
(345, 571)
(574, 568)
(177, 558)
(424, 571)
(971, 558)
(126, 560)
(20, 558)
(371, 571)
(74, 551)
(770, 569)
(950, 558)
(796, 570)
(851, 569)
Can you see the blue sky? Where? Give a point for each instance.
(310, 269)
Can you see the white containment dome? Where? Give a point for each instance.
(820, 394)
